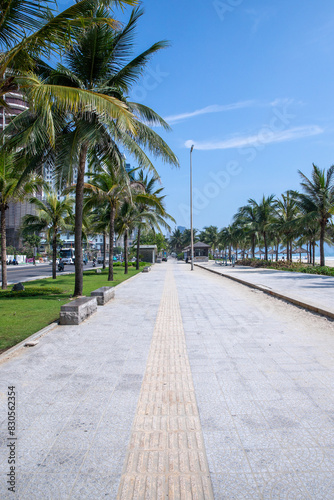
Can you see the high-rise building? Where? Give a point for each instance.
(16, 211)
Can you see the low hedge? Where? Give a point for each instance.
(31, 292)
(284, 265)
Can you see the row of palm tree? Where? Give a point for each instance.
(79, 110)
(293, 219)
(111, 205)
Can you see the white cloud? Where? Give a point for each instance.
(215, 108)
(265, 136)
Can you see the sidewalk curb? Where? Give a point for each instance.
(34, 336)
(296, 302)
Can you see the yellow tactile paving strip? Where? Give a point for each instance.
(166, 457)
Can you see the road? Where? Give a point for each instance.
(29, 272)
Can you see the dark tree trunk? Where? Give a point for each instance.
(111, 244)
(253, 246)
(230, 253)
(322, 241)
(265, 246)
(277, 245)
(138, 245)
(126, 252)
(313, 252)
(79, 193)
(54, 256)
(3, 248)
(104, 250)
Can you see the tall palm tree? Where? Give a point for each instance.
(317, 201)
(285, 221)
(52, 216)
(30, 29)
(149, 199)
(95, 62)
(264, 217)
(246, 218)
(110, 185)
(176, 241)
(11, 190)
(210, 236)
(101, 225)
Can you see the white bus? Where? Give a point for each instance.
(67, 255)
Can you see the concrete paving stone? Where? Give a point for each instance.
(235, 487)
(269, 459)
(275, 486)
(95, 485)
(294, 438)
(320, 485)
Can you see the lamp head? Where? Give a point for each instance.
(192, 148)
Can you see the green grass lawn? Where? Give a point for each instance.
(21, 316)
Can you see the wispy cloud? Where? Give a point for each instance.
(270, 137)
(215, 108)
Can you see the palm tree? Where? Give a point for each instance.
(264, 217)
(176, 241)
(246, 218)
(52, 216)
(149, 199)
(30, 29)
(108, 186)
(95, 63)
(12, 189)
(210, 236)
(101, 224)
(317, 201)
(285, 222)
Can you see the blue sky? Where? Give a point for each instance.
(250, 84)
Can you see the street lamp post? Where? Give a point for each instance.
(191, 211)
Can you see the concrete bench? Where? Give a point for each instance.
(146, 269)
(77, 311)
(103, 295)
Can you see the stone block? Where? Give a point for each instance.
(103, 294)
(18, 287)
(77, 311)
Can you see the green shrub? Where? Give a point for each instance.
(31, 292)
(180, 256)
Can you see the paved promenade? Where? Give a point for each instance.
(186, 386)
(313, 291)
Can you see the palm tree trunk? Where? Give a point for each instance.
(111, 244)
(126, 252)
(54, 256)
(104, 250)
(322, 246)
(138, 245)
(277, 245)
(3, 248)
(79, 193)
(265, 246)
(253, 246)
